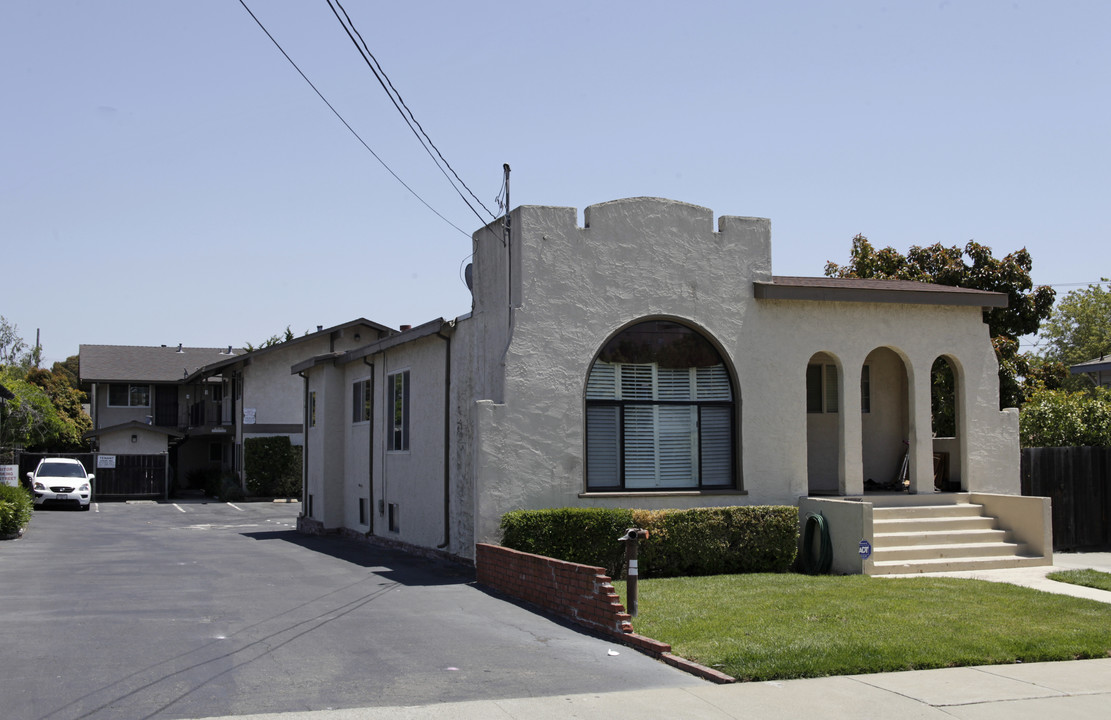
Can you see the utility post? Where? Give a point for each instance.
(631, 538)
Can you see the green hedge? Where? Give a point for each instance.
(16, 506)
(272, 467)
(701, 541)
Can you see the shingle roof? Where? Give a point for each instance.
(1099, 364)
(872, 290)
(223, 362)
(133, 363)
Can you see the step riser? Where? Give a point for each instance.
(932, 525)
(927, 511)
(955, 565)
(946, 553)
(960, 537)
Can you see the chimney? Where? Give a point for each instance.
(319, 328)
(403, 328)
(179, 348)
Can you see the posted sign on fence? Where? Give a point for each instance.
(9, 475)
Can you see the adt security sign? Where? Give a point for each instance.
(865, 549)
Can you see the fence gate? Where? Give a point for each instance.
(131, 476)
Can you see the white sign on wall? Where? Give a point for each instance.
(9, 475)
(249, 416)
(106, 461)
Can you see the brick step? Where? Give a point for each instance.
(946, 551)
(899, 567)
(939, 537)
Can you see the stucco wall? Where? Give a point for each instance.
(574, 287)
(146, 442)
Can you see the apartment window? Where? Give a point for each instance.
(659, 412)
(312, 408)
(124, 395)
(821, 389)
(399, 411)
(361, 398)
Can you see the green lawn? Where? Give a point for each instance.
(765, 627)
(1087, 578)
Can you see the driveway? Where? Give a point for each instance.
(206, 609)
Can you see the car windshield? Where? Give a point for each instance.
(66, 470)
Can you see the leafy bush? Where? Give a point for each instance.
(16, 506)
(272, 466)
(579, 535)
(701, 541)
(1056, 418)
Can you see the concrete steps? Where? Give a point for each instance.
(942, 538)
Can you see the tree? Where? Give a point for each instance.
(66, 400)
(29, 420)
(1026, 308)
(46, 412)
(1079, 328)
(13, 351)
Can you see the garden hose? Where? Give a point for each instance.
(825, 547)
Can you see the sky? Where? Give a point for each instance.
(166, 175)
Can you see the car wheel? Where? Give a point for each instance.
(86, 507)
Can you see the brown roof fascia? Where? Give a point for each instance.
(907, 292)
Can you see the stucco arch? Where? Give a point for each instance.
(685, 412)
(949, 419)
(885, 417)
(825, 422)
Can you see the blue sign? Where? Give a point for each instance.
(865, 549)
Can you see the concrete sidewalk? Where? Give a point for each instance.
(1076, 689)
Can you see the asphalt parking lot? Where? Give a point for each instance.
(205, 609)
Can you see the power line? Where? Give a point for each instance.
(407, 114)
(346, 124)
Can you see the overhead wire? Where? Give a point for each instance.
(407, 114)
(346, 124)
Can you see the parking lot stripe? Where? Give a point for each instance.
(236, 507)
(179, 507)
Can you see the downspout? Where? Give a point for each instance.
(370, 456)
(447, 438)
(304, 445)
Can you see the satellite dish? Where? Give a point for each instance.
(468, 275)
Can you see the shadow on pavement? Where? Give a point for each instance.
(395, 565)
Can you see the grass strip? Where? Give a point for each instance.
(769, 627)
(1087, 578)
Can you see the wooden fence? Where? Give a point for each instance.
(1078, 482)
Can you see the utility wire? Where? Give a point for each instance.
(407, 114)
(346, 124)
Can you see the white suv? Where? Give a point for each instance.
(61, 481)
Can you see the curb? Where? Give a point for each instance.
(662, 651)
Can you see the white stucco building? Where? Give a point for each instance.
(648, 359)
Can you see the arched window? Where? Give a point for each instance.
(659, 412)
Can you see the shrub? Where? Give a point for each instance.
(580, 535)
(701, 541)
(16, 506)
(272, 466)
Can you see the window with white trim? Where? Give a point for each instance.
(659, 412)
(124, 395)
(398, 389)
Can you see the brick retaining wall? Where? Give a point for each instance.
(581, 593)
